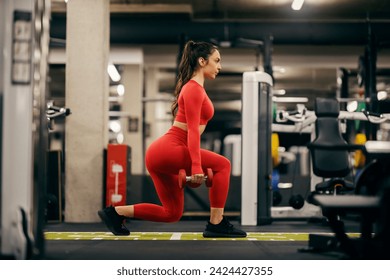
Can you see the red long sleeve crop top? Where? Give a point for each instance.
(195, 108)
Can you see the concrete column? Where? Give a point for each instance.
(132, 77)
(157, 107)
(16, 99)
(151, 92)
(87, 87)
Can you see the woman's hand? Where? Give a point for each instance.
(197, 178)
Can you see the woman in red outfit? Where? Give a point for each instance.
(180, 148)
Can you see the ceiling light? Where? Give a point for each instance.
(113, 72)
(279, 69)
(278, 92)
(297, 4)
(120, 89)
(120, 138)
(290, 99)
(115, 126)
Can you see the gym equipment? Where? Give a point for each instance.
(256, 189)
(186, 180)
(276, 195)
(366, 181)
(331, 164)
(331, 115)
(257, 160)
(24, 50)
(118, 171)
(305, 118)
(53, 112)
(276, 198)
(275, 149)
(368, 197)
(359, 157)
(296, 201)
(367, 74)
(370, 201)
(55, 190)
(302, 120)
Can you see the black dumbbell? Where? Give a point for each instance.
(185, 180)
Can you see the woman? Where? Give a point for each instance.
(180, 148)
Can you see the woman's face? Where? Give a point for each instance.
(213, 66)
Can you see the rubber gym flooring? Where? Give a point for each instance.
(280, 240)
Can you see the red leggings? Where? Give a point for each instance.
(164, 158)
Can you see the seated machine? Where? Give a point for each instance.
(331, 164)
(369, 200)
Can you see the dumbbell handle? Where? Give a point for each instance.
(184, 179)
(189, 178)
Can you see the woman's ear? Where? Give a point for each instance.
(202, 61)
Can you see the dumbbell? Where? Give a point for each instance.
(184, 179)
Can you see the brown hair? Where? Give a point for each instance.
(188, 64)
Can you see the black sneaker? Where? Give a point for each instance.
(223, 229)
(113, 221)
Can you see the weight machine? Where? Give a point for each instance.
(370, 201)
(257, 167)
(369, 198)
(256, 195)
(24, 43)
(301, 122)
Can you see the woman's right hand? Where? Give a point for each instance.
(197, 178)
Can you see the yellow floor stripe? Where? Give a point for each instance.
(252, 236)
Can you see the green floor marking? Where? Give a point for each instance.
(175, 236)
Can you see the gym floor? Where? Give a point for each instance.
(280, 240)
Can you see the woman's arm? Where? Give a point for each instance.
(193, 101)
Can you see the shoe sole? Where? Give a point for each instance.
(210, 234)
(106, 221)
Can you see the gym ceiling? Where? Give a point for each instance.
(308, 46)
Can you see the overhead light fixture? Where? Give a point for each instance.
(290, 99)
(297, 4)
(279, 69)
(113, 72)
(115, 126)
(278, 92)
(120, 89)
